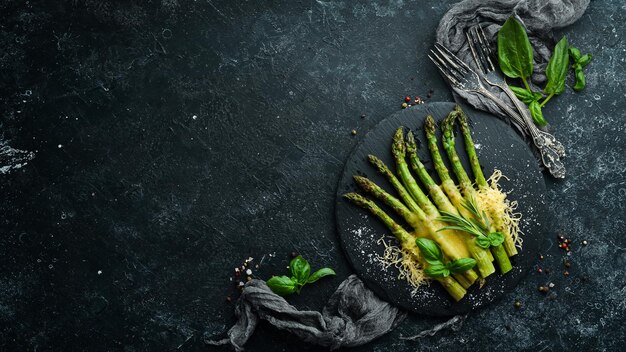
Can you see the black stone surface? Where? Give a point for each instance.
(125, 182)
(499, 147)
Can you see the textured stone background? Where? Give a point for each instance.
(123, 215)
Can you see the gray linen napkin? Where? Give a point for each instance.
(354, 315)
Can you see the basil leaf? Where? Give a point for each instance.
(430, 250)
(515, 54)
(535, 111)
(523, 94)
(437, 271)
(581, 82)
(461, 265)
(320, 274)
(282, 285)
(557, 68)
(496, 238)
(584, 60)
(300, 269)
(483, 242)
(574, 53)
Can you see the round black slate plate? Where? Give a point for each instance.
(498, 146)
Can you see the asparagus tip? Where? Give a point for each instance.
(429, 124)
(363, 182)
(358, 199)
(380, 166)
(411, 147)
(461, 117)
(398, 148)
(448, 122)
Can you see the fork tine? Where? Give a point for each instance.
(444, 72)
(484, 65)
(446, 60)
(484, 52)
(472, 46)
(484, 44)
(451, 56)
(452, 68)
(443, 68)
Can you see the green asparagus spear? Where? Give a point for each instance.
(407, 241)
(469, 147)
(483, 257)
(399, 151)
(498, 221)
(449, 145)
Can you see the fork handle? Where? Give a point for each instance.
(549, 156)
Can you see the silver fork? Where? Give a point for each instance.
(481, 51)
(461, 76)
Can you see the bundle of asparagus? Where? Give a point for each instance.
(454, 231)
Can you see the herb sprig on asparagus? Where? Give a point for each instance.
(457, 230)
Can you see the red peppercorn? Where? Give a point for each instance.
(407, 99)
(539, 270)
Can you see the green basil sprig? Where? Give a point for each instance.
(515, 56)
(300, 270)
(579, 63)
(436, 267)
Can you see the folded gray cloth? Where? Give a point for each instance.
(539, 17)
(353, 316)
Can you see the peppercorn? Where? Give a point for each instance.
(585, 242)
(541, 257)
(518, 304)
(539, 270)
(407, 99)
(362, 116)
(566, 273)
(353, 132)
(567, 264)
(228, 299)
(294, 254)
(405, 105)
(543, 289)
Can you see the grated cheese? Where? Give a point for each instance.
(500, 210)
(408, 266)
